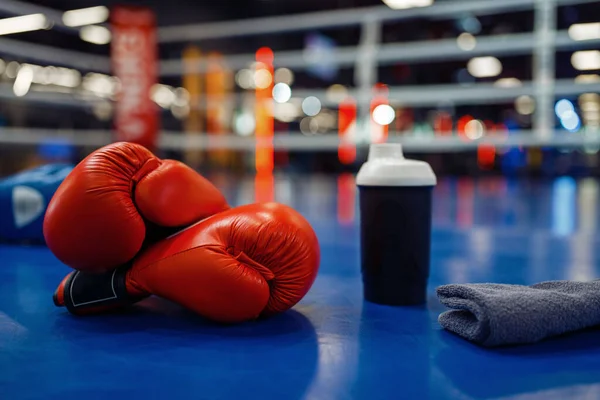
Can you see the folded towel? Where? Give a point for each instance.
(500, 314)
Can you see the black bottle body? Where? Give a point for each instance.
(395, 236)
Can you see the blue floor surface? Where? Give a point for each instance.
(332, 345)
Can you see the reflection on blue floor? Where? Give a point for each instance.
(563, 207)
(332, 345)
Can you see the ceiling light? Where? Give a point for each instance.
(585, 31)
(404, 4)
(103, 110)
(180, 111)
(23, 81)
(100, 84)
(508, 82)
(11, 70)
(162, 95)
(586, 60)
(587, 78)
(525, 105)
(85, 16)
(182, 97)
(24, 23)
(67, 77)
(95, 34)
(465, 41)
(484, 67)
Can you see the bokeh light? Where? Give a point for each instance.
(285, 112)
(484, 67)
(245, 79)
(383, 114)
(466, 41)
(282, 92)
(284, 75)
(262, 78)
(562, 107)
(404, 4)
(162, 95)
(244, 124)
(311, 106)
(508, 82)
(570, 121)
(309, 126)
(586, 60)
(336, 93)
(474, 129)
(23, 81)
(525, 105)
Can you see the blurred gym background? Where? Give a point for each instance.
(476, 88)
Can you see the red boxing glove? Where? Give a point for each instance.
(97, 219)
(250, 261)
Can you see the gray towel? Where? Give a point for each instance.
(500, 314)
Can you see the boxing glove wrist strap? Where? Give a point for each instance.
(85, 292)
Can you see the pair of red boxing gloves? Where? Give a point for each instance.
(112, 221)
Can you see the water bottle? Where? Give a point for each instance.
(395, 226)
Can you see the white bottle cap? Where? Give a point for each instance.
(386, 166)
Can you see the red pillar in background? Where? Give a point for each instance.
(379, 133)
(346, 128)
(264, 114)
(486, 153)
(264, 158)
(346, 198)
(134, 63)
